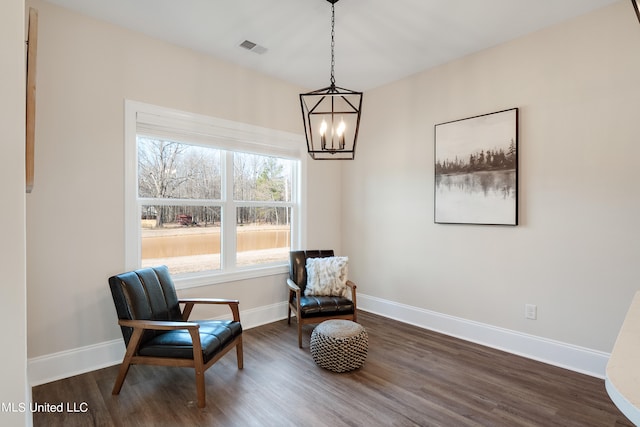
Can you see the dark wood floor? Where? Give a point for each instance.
(412, 377)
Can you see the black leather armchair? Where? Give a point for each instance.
(315, 309)
(157, 332)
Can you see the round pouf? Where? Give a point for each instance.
(339, 345)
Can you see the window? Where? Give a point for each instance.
(179, 191)
(262, 195)
(211, 199)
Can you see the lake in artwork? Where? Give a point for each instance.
(485, 197)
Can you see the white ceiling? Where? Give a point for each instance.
(376, 41)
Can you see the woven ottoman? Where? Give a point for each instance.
(339, 345)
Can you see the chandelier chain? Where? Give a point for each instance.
(333, 60)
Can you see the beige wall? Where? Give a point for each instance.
(575, 252)
(75, 216)
(13, 370)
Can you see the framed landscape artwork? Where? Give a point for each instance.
(476, 170)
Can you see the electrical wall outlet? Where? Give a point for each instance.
(530, 311)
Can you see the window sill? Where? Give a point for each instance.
(195, 280)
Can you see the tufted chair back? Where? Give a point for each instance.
(298, 265)
(145, 294)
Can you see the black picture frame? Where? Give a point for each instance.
(636, 8)
(476, 170)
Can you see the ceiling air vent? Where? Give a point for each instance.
(253, 47)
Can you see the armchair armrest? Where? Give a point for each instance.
(191, 302)
(208, 301)
(294, 290)
(292, 286)
(159, 325)
(353, 287)
(139, 326)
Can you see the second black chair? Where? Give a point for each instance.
(315, 309)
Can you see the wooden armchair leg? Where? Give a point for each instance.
(299, 333)
(239, 354)
(122, 373)
(198, 365)
(200, 390)
(126, 362)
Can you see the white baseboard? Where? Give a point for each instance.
(65, 364)
(259, 316)
(568, 356)
(77, 361)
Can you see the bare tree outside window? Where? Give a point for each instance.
(181, 207)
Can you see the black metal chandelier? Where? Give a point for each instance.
(331, 115)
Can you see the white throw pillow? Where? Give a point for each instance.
(327, 276)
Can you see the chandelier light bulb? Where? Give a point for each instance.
(323, 134)
(340, 131)
(323, 127)
(341, 127)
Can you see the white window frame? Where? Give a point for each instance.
(155, 121)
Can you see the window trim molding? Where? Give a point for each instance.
(228, 135)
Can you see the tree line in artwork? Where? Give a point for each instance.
(483, 160)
